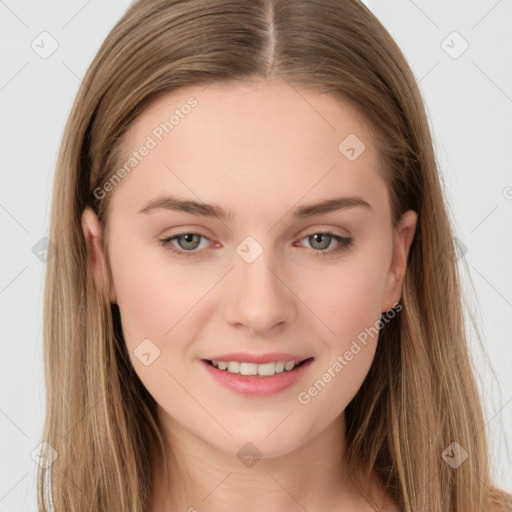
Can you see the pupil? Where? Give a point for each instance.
(188, 239)
(318, 238)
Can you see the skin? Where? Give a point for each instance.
(258, 149)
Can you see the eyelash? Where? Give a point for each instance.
(344, 244)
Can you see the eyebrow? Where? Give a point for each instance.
(212, 210)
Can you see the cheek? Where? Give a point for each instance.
(350, 306)
(347, 297)
(152, 296)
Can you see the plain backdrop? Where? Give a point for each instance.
(460, 53)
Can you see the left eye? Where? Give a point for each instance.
(189, 242)
(344, 243)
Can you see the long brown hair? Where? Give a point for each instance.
(420, 394)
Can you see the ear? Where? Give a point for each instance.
(93, 235)
(402, 240)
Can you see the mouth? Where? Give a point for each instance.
(252, 369)
(257, 380)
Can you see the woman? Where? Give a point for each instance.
(258, 367)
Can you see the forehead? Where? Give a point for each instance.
(259, 111)
(241, 140)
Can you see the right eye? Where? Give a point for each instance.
(188, 241)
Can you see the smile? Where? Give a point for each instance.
(257, 380)
(267, 369)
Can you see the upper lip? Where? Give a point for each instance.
(246, 357)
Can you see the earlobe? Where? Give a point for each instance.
(93, 235)
(402, 242)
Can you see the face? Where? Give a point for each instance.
(265, 280)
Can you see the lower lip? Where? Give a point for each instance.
(256, 385)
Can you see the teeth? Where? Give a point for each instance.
(267, 369)
(248, 369)
(234, 367)
(289, 365)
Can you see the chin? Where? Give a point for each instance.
(259, 443)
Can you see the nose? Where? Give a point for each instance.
(260, 298)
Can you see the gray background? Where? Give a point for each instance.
(469, 101)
